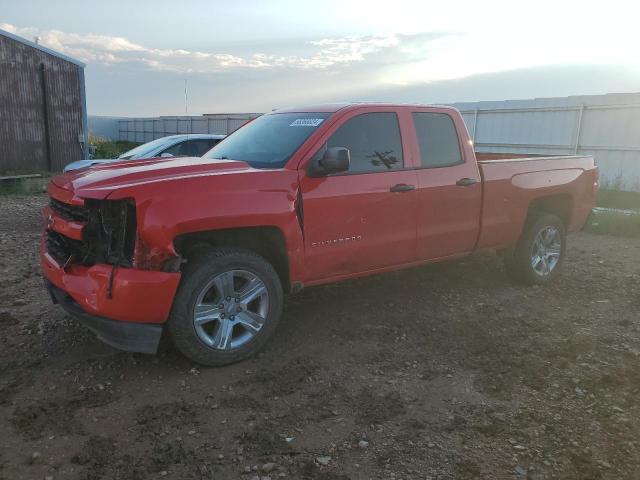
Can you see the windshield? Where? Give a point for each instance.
(269, 140)
(143, 151)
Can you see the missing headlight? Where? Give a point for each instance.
(110, 233)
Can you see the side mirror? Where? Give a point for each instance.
(165, 155)
(334, 160)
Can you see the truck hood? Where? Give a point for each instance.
(99, 181)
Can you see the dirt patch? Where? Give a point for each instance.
(373, 408)
(12, 379)
(264, 438)
(51, 416)
(6, 319)
(291, 377)
(156, 419)
(448, 371)
(101, 458)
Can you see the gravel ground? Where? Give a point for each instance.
(448, 371)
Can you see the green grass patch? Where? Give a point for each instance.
(24, 186)
(618, 199)
(609, 221)
(109, 149)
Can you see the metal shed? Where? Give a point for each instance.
(43, 113)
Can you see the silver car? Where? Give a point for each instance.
(191, 145)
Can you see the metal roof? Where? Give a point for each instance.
(41, 48)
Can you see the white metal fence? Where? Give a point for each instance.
(147, 129)
(605, 126)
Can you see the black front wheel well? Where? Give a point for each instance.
(268, 242)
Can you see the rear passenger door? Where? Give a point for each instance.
(449, 187)
(363, 219)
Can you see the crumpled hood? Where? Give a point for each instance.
(100, 180)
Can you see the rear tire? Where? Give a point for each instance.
(228, 305)
(539, 254)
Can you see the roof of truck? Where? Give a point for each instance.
(334, 107)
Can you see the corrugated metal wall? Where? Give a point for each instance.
(605, 126)
(25, 74)
(147, 129)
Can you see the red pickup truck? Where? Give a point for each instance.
(298, 197)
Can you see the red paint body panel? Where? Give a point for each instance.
(510, 186)
(138, 295)
(351, 228)
(353, 224)
(55, 222)
(441, 233)
(64, 195)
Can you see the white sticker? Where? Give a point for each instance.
(306, 122)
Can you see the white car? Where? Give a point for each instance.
(191, 145)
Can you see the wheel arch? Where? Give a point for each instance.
(559, 205)
(267, 241)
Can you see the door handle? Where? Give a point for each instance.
(402, 187)
(465, 182)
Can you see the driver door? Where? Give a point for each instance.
(363, 219)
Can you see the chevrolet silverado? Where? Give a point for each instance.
(206, 248)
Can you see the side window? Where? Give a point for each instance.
(197, 148)
(437, 139)
(178, 150)
(373, 140)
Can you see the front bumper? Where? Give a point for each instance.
(128, 336)
(139, 296)
(124, 306)
(131, 317)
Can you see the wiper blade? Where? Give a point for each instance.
(220, 158)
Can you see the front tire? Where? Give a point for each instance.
(228, 305)
(539, 254)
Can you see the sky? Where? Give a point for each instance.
(254, 56)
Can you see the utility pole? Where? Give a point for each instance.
(186, 98)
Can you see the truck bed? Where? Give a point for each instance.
(511, 186)
(482, 156)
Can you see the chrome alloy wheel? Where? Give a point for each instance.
(546, 251)
(230, 309)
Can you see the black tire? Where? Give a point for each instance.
(518, 263)
(196, 274)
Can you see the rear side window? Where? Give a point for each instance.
(178, 150)
(373, 140)
(197, 148)
(437, 139)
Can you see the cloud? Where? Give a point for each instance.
(318, 54)
(349, 49)
(436, 66)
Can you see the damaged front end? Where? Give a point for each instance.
(108, 233)
(92, 261)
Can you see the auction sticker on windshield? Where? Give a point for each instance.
(306, 122)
